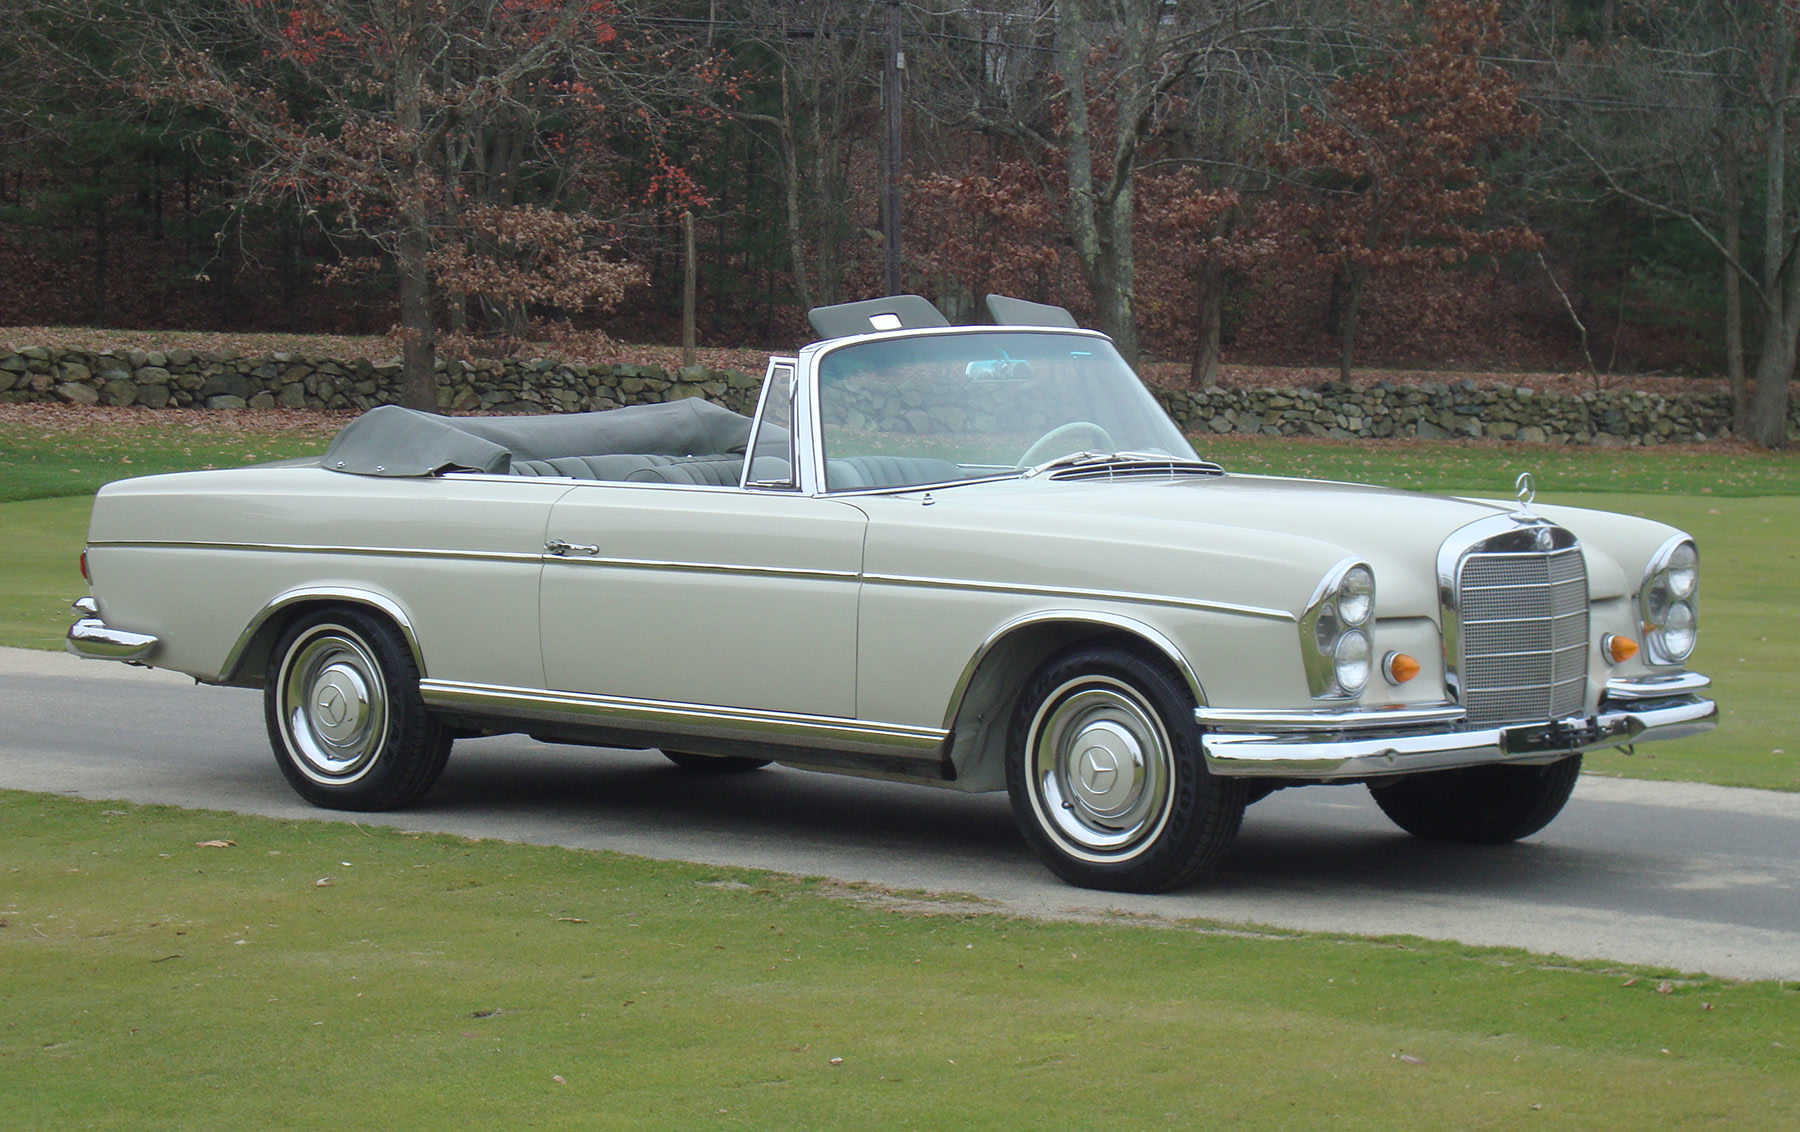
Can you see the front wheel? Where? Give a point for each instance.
(1479, 805)
(345, 719)
(1106, 776)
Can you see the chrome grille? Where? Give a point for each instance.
(1523, 635)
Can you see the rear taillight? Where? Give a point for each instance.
(85, 576)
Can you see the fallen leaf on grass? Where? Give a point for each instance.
(1411, 1060)
(322, 882)
(558, 1080)
(1665, 987)
(221, 844)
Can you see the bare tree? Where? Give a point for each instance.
(1103, 88)
(816, 107)
(1690, 116)
(1391, 162)
(416, 125)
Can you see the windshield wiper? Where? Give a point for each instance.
(1083, 459)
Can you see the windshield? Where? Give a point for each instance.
(939, 408)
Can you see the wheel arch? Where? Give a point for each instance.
(980, 711)
(249, 657)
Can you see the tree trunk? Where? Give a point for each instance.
(1113, 276)
(690, 267)
(1358, 279)
(418, 382)
(1767, 423)
(790, 184)
(1734, 292)
(1099, 216)
(1209, 304)
(98, 313)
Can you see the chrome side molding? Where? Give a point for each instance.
(895, 748)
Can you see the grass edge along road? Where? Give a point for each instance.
(173, 968)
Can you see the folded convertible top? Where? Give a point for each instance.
(392, 441)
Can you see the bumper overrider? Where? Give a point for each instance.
(93, 638)
(1372, 743)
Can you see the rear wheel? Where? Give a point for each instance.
(345, 719)
(1107, 779)
(1480, 805)
(714, 764)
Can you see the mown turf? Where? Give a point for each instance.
(1749, 640)
(1489, 468)
(40, 569)
(57, 457)
(310, 974)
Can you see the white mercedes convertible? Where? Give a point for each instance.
(973, 557)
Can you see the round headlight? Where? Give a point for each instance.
(1350, 662)
(1683, 571)
(1678, 631)
(1667, 602)
(1356, 596)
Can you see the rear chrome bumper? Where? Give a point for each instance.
(1326, 745)
(93, 638)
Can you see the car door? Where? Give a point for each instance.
(710, 596)
(703, 596)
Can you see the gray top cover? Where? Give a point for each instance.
(392, 441)
(1019, 312)
(895, 312)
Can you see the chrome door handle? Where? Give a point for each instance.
(561, 549)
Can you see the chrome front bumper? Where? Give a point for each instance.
(95, 639)
(1327, 746)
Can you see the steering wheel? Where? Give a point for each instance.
(1056, 442)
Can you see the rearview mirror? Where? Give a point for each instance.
(998, 369)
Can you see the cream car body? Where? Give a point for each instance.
(1131, 641)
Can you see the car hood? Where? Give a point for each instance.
(1256, 542)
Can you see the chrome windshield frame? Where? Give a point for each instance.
(809, 441)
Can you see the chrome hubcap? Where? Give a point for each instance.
(1100, 769)
(334, 705)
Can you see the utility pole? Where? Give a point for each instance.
(890, 198)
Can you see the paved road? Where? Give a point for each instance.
(1700, 878)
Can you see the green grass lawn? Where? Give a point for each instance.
(40, 569)
(52, 460)
(1489, 468)
(311, 973)
(1749, 640)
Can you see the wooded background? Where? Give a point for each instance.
(1590, 185)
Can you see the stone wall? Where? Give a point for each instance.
(1437, 410)
(195, 379)
(185, 378)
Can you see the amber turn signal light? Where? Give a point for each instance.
(1618, 649)
(1399, 668)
